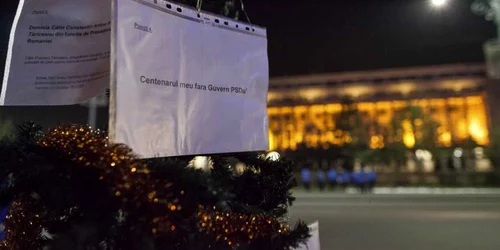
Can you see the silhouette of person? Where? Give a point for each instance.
(305, 176)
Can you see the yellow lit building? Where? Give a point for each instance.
(455, 97)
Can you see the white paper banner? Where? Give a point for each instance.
(58, 52)
(313, 242)
(187, 83)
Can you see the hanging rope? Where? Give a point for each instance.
(199, 3)
(245, 12)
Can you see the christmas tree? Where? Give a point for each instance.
(70, 189)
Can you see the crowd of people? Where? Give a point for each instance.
(364, 179)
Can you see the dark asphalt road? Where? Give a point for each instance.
(403, 222)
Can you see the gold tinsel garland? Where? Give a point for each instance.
(132, 183)
(23, 225)
(236, 228)
(130, 178)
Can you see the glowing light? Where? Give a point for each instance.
(479, 152)
(409, 140)
(418, 122)
(478, 132)
(438, 3)
(461, 127)
(445, 139)
(200, 162)
(272, 141)
(374, 141)
(356, 91)
(408, 135)
(458, 152)
(272, 96)
(240, 168)
(404, 88)
(419, 153)
(273, 156)
(348, 139)
(313, 94)
(315, 125)
(424, 155)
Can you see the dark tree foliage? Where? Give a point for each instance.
(66, 191)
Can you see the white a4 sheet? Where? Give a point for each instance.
(58, 52)
(186, 82)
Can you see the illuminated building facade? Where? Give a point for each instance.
(455, 97)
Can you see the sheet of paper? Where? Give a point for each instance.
(58, 52)
(187, 83)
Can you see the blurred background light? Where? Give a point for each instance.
(438, 3)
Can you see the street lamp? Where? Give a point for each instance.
(438, 3)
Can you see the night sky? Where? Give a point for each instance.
(332, 35)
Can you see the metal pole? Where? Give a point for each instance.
(92, 116)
